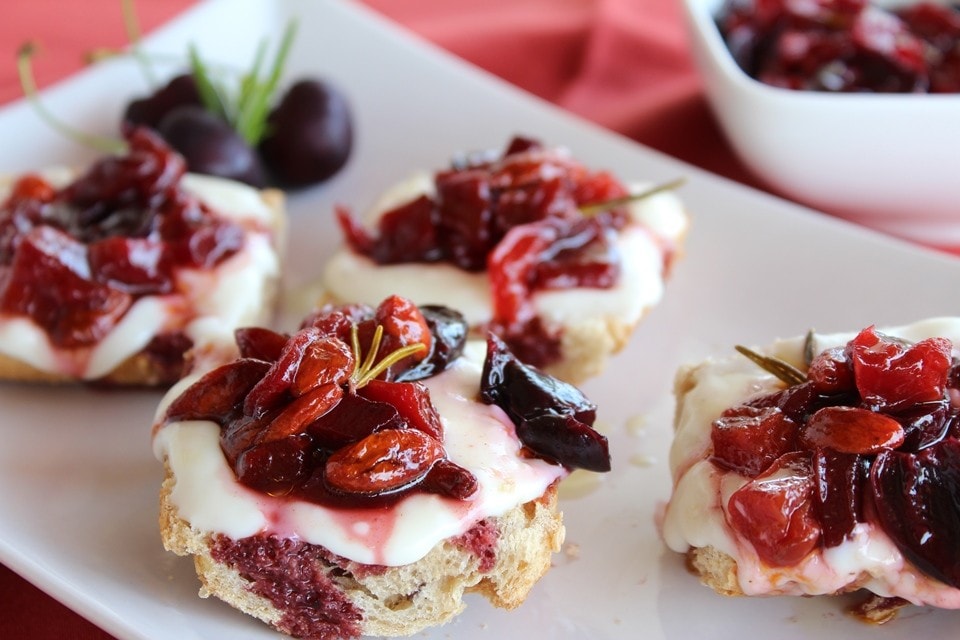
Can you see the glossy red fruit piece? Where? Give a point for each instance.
(211, 244)
(326, 360)
(239, 434)
(275, 385)
(533, 201)
(891, 376)
(260, 343)
(31, 187)
(450, 479)
(139, 266)
(448, 330)
(796, 401)
(338, 320)
(584, 258)
(831, 372)
(353, 419)
(509, 267)
(916, 498)
(598, 187)
(927, 424)
(774, 511)
(407, 233)
(466, 217)
(50, 282)
(219, 393)
(141, 179)
(412, 402)
(403, 324)
(383, 462)
(749, 439)
(294, 418)
(276, 467)
(851, 430)
(840, 482)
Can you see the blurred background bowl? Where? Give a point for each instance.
(888, 161)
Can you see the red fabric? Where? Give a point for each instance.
(621, 63)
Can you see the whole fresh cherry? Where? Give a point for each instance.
(309, 135)
(150, 110)
(210, 145)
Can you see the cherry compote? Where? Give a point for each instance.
(872, 435)
(554, 420)
(518, 217)
(336, 412)
(74, 259)
(845, 45)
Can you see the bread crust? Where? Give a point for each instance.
(141, 370)
(395, 601)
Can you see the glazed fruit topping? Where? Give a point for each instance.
(321, 414)
(521, 218)
(333, 417)
(871, 435)
(75, 259)
(776, 508)
(553, 418)
(845, 45)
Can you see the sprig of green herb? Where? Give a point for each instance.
(782, 370)
(593, 208)
(370, 368)
(248, 109)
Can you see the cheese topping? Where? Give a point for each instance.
(209, 304)
(478, 437)
(695, 515)
(659, 223)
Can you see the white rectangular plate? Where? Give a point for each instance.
(78, 482)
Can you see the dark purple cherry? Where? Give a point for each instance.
(210, 146)
(150, 110)
(916, 496)
(553, 418)
(309, 135)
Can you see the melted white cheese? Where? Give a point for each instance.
(659, 223)
(478, 437)
(209, 306)
(695, 515)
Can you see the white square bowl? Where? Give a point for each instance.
(888, 161)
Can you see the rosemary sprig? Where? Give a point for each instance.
(809, 344)
(212, 94)
(594, 208)
(782, 370)
(28, 83)
(248, 109)
(370, 368)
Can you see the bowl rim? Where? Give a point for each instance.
(703, 26)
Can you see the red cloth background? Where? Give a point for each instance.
(621, 63)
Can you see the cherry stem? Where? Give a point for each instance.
(596, 207)
(29, 86)
(132, 26)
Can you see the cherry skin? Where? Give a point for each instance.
(210, 146)
(309, 135)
